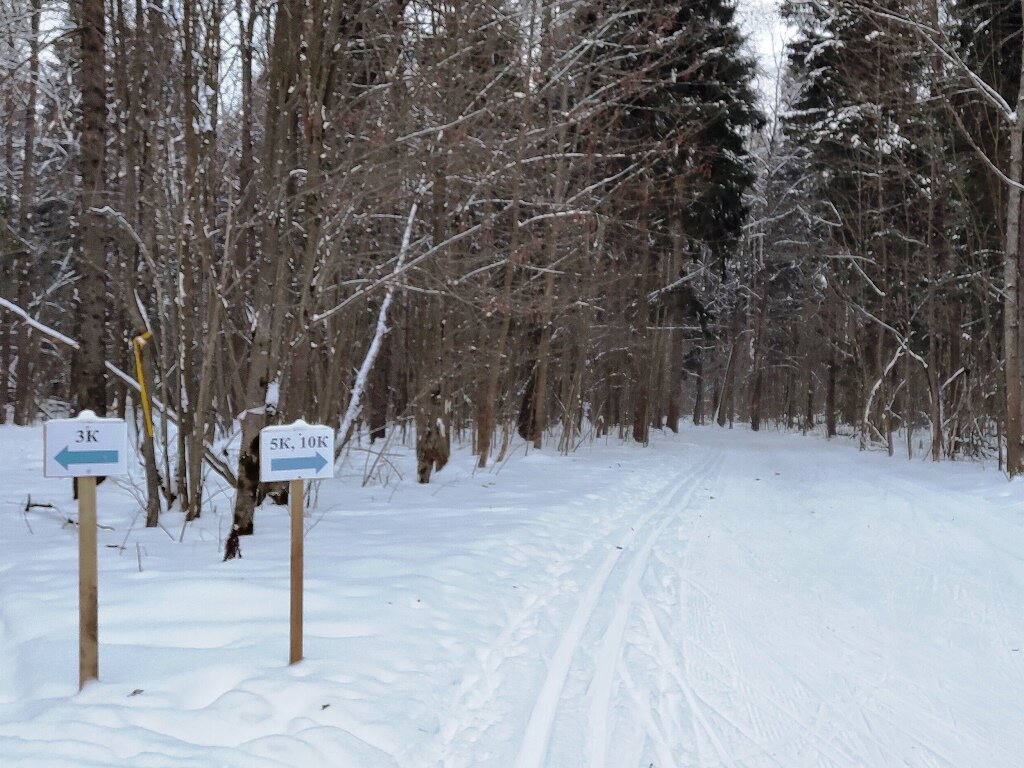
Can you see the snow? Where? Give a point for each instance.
(719, 598)
(273, 399)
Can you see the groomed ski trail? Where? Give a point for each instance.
(534, 745)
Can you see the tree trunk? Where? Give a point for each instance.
(641, 357)
(1011, 296)
(724, 408)
(830, 398)
(377, 396)
(149, 448)
(274, 269)
(1011, 287)
(89, 373)
(487, 409)
(5, 353)
(431, 439)
(758, 383)
(808, 424)
(24, 400)
(698, 390)
(674, 375)
(7, 271)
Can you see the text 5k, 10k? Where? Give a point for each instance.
(311, 441)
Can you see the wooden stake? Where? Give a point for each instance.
(88, 626)
(295, 494)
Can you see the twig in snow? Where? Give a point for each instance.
(131, 527)
(380, 455)
(29, 504)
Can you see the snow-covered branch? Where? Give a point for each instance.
(46, 330)
(356, 400)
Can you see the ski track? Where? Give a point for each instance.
(537, 736)
(473, 713)
(612, 645)
(855, 710)
(663, 656)
(685, 631)
(651, 726)
(655, 600)
(775, 703)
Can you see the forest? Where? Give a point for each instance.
(466, 220)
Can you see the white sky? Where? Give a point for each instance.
(767, 36)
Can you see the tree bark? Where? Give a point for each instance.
(725, 400)
(756, 389)
(24, 396)
(6, 267)
(88, 371)
(830, 398)
(1011, 286)
(698, 390)
(273, 270)
(674, 376)
(1011, 293)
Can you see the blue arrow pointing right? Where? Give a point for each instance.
(314, 462)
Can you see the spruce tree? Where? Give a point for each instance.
(988, 38)
(684, 110)
(866, 135)
(687, 107)
(720, 104)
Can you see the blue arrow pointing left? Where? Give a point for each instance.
(66, 457)
(316, 462)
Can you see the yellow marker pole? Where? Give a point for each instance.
(88, 622)
(295, 494)
(137, 344)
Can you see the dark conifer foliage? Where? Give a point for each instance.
(719, 99)
(902, 214)
(988, 38)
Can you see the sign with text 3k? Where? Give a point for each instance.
(298, 451)
(85, 446)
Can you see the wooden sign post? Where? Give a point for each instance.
(88, 585)
(296, 452)
(83, 448)
(296, 493)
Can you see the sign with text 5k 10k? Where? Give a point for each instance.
(85, 446)
(297, 451)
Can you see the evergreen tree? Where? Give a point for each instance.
(719, 102)
(988, 36)
(687, 106)
(680, 112)
(867, 136)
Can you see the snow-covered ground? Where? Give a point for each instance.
(721, 598)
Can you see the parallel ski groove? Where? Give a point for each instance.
(534, 745)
